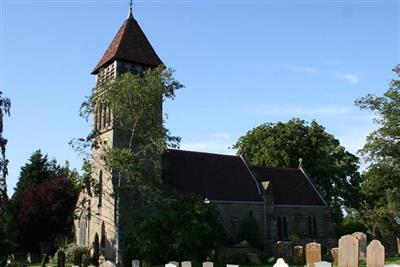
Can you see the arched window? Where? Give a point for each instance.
(285, 228)
(82, 230)
(103, 236)
(310, 227)
(315, 233)
(279, 228)
(100, 188)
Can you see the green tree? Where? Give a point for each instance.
(6, 239)
(382, 150)
(38, 169)
(334, 170)
(180, 229)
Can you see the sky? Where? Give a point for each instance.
(243, 63)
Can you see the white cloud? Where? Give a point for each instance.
(215, 143)
(224, 136)
(349, 77)
(302, 110)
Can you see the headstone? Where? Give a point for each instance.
(329, 244)
(335, 255)
(108, 264)
(102, 259)
(174, 263)
(392, 265)
(135, 263)
(298, 255)
(322, 264)
(77, 261)
(362, 244)
(186, 264)
(253, 258)
(170, 265)
(232, 265)
(283, 250)
(313, 253)
(208, 264)
(60, 259)
(375, 254)
(44, 260)
(348, 251)
(28, 258)
(280, 263)
(398, 246)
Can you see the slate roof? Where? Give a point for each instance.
(212, 176)
(289, 186)
(228, 178)
(130, 44)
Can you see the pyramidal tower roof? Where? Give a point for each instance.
(129, 44)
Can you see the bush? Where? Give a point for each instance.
(250, 231)
(70, 251)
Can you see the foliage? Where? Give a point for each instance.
(351, 223)
(39, 169)
(334, 170)
(70, 250)
(135, 102)
(180, 229)
(6, 237)
(381, 187)
(45, 211)
(250, 231)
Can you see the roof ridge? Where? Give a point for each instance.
(201, 152)
(277, 168)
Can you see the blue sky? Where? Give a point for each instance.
(243, 63)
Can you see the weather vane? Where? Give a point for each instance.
(130, 8)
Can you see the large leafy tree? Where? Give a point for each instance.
(282, 144)
(6, 243)
(180, 228)
(382, 150)
(44, 212)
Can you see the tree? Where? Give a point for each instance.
(45, 211)
(334, 170)
(179, 229)
(6, 239)
(382, 150)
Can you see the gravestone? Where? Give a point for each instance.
(335, 255)
(60, 259)
(298, 255)
(348, 251)
(322, 264)
(170, 265)
(392, 265)
(283, 250)
(107, 264)
(375, 254)
(280, 263)
(398, 246)
(135, 263)
(313, 253)
(77, 261)
(329, 244)
(253, 258)
(186, 264)
(28, 258)
(102, 259)
(208, 264)
(362, 244)
(44, 260)
(232, 265)
(174, 263)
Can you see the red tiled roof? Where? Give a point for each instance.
(130, 44)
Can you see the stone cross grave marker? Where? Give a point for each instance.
(135, 263)
(186, 264)
(44, 260)
(28, 258)
(375, 254)
(362, 244)
(280, 263)
(313, 253)
(208, 264)
(298, 255)
(322, 264)
(60, 259)
(348, 251)
(335, 255)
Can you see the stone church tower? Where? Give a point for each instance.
(95, 226)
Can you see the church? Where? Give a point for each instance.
(284, 201)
